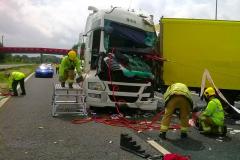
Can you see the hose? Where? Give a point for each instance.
(119, 120)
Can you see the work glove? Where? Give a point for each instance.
(196, 109)
(79, 79)
(79, 74)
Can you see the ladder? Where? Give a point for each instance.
(67, 100)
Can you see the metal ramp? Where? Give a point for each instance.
(67, 100)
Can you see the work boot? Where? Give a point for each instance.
(184, 135)
(62, 84)
(162, 135)
(200, 128)
(222, 131)
(70, 85)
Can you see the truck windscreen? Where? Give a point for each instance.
(120, 35)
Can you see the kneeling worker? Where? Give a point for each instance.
(179, 97)
(211, 120)
(67, 67)
(15, 78)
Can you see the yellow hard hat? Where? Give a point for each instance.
(72, 55)
(209, 92)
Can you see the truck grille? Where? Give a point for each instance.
(124, 99)
(122, 88)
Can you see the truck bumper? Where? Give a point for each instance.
(143, 105)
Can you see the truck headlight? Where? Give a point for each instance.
(95, 86)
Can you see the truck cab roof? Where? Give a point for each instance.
(96, 19)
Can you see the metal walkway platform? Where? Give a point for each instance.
(67, 100)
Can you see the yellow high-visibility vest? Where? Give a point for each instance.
(178, 89)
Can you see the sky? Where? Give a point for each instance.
(58, 23)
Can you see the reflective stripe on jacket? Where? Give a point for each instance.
(178, 89)
(15, 76)
(67, 64)
(215, 111)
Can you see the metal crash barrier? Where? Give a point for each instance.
(67, 100)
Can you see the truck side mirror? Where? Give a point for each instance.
(82, 50)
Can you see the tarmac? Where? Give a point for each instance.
(197, 146)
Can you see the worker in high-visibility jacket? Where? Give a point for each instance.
(15, 78)
(57, 68)
(211, 120)
(66, 69)
(179, 97)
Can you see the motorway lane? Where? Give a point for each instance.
(199, 146)
(28, 131)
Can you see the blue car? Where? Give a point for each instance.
(44, 70)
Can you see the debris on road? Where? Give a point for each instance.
(235, 131)
(237, 122)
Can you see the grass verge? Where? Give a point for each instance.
(4, 80)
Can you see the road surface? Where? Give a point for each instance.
(28, 131)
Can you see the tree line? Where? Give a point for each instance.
(19, 58)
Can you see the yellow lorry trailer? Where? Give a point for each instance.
(192, 45)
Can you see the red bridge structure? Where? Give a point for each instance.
(28, 50)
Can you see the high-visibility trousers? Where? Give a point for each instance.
(68, 76)
(208, 126)
(176, 102)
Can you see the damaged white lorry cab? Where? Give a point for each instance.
(116, 43)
